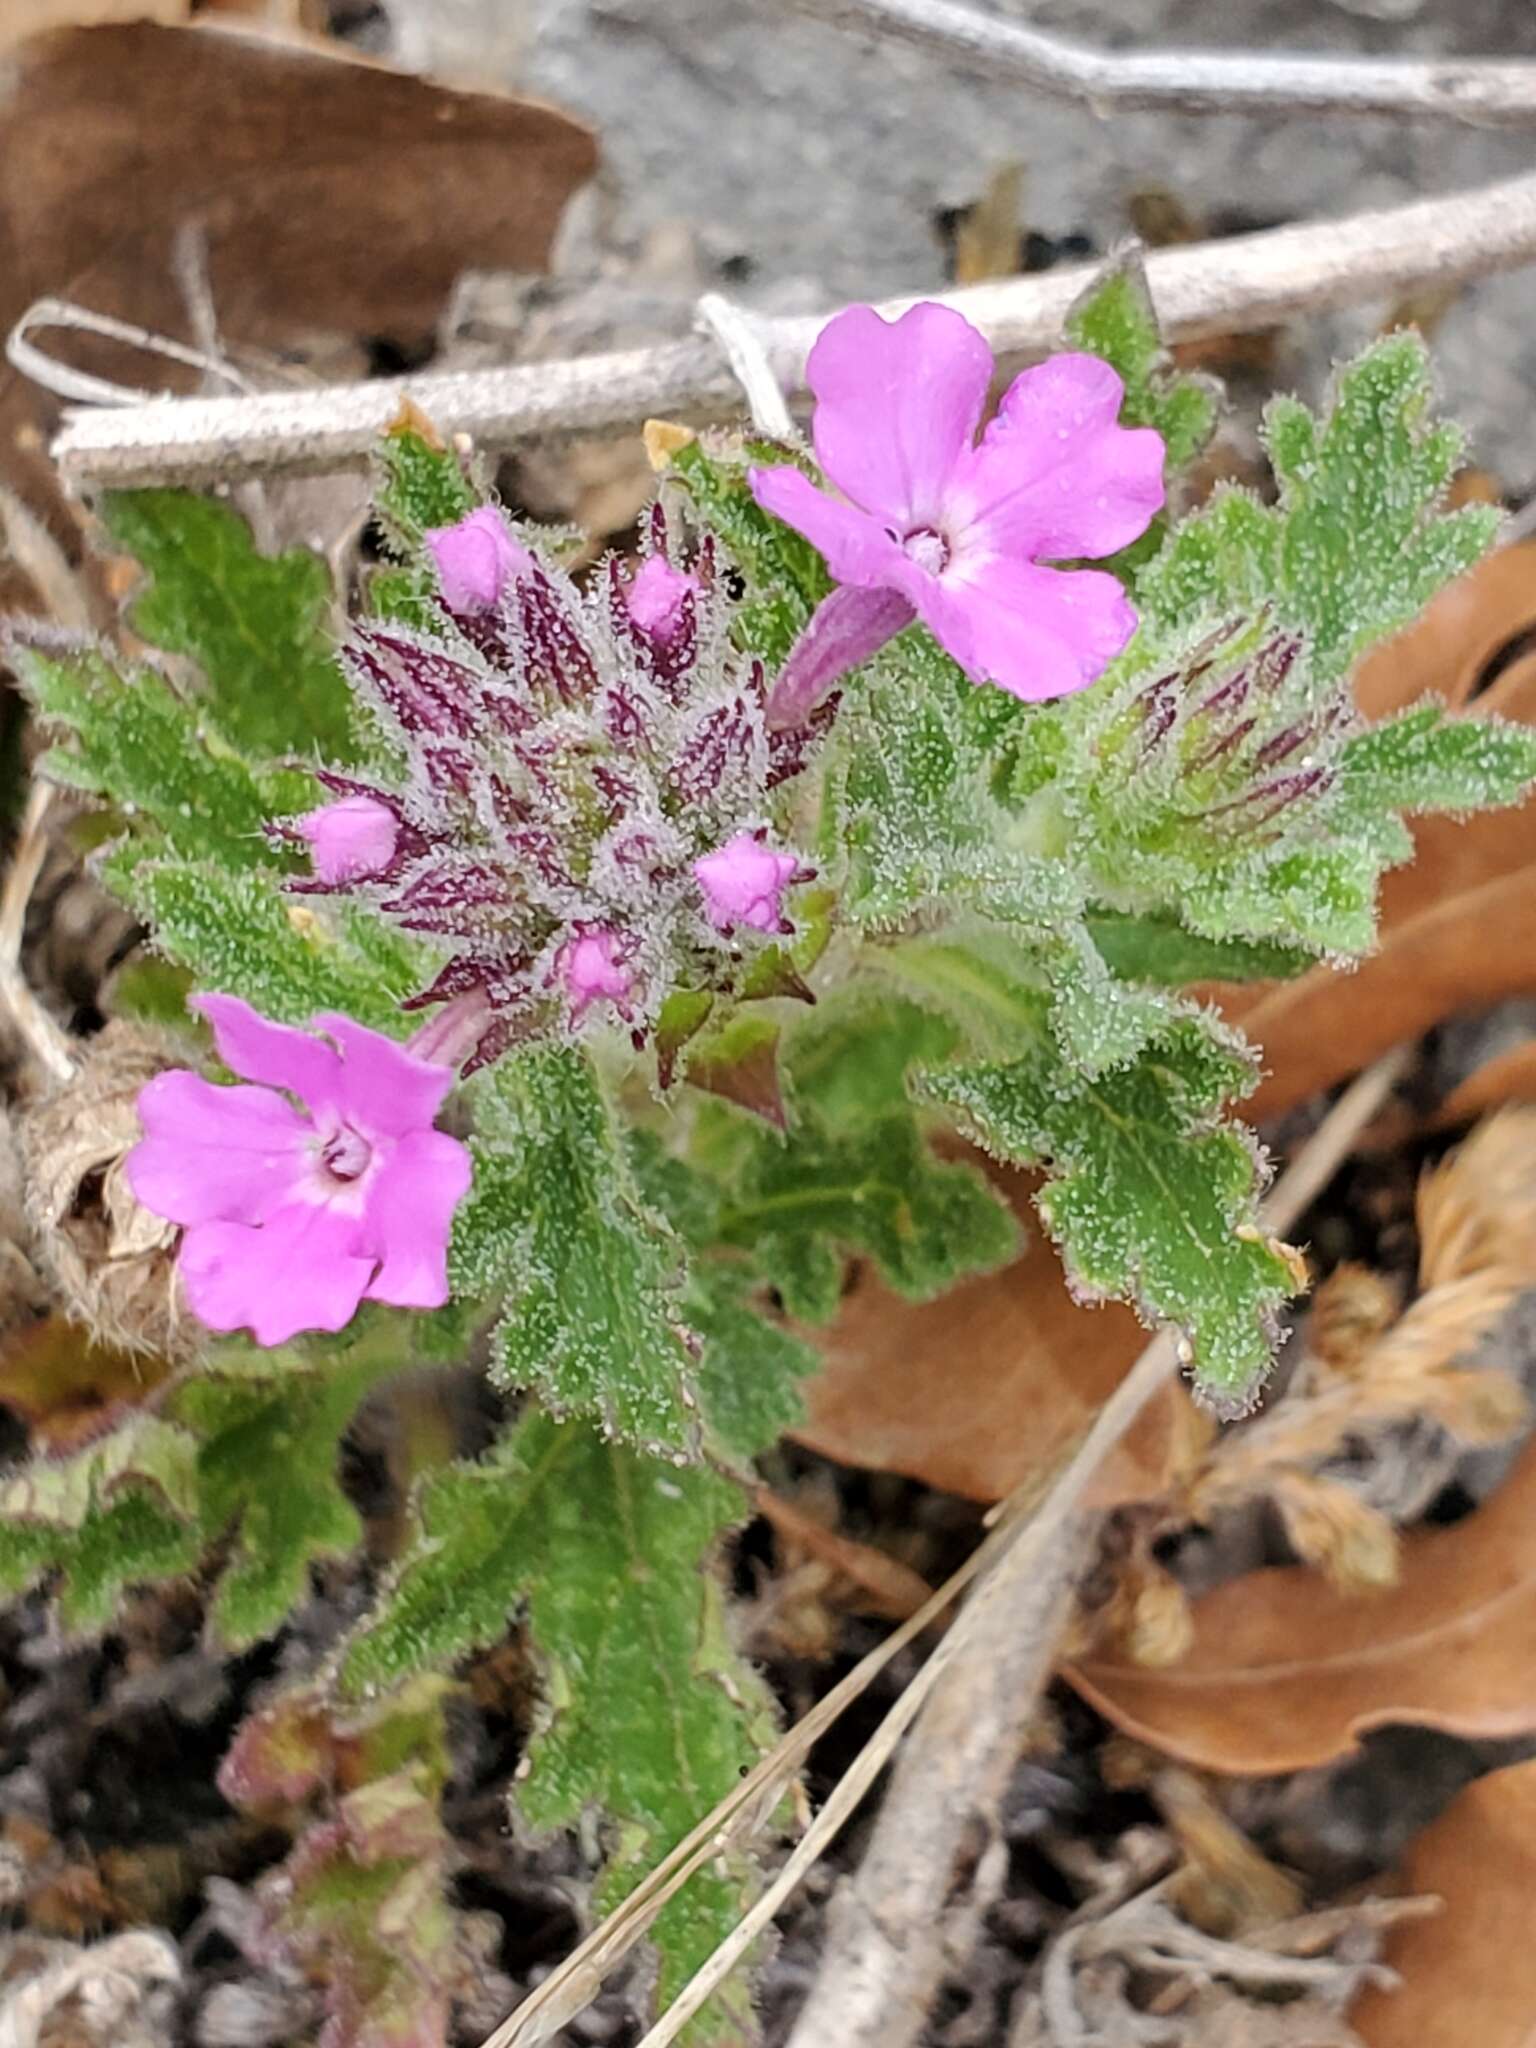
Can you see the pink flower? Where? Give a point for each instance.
(592, 970)
(744, 883)
(940, 527)
(476, 559)
(295, 1214)
(657, 596)
(350, 840)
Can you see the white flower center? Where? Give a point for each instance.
(345, 1156)
(928, 549)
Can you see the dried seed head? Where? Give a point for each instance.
(110, 1259)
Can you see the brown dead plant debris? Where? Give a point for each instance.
(1327, 1456)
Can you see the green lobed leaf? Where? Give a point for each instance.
(1115, 319)
(1150, 1198)
(1356, 545)
(254, 624)
(240, 932)
(590, 1276)
(156, 756)
(133, 1539)
(650, 1715)
(1424, 760)
(267, 1479)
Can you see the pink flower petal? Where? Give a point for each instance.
(226, 1154)
(1036, 633)
(256, 1049)
(846, 628)
(300, 1271)
(382, 1087)
(1056, 476)
(409, 1211)
(857, 547)
(897, 404)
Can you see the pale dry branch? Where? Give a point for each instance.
(1229, 286)
(1479, 90)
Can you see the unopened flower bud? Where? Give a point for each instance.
(591, 971)
(656, 599)
(350, 840)
(476, 559)
(744, 883)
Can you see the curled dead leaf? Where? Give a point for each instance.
(332, 203)
(1286, 1671)
(111, 1260)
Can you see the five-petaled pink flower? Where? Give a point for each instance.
(294, 1214)
(744, 883)
(935, 525)
(476, 558)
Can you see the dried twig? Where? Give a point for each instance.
(1231, 286)
(1471, 89)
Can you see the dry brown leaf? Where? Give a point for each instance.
(1287, 1672)
(111, 1260)
(989, 1384)
(22, 18)
(1469, 1973)
(338, 201)
(66, 1388)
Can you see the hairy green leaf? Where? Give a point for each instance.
(253, 623)
(590, 1276)
(154, 755)
(1356, 546)
(239, 932)
(1424, 761)
(786, 578)
(1150, 1199)
(267, 1477)
(1114, 319)
(650, 1715)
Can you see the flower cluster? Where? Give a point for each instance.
(583, 818)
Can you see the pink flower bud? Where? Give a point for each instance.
(744, 883)
(476, 559)
(656, 596)
(591, 970)
(350, 840)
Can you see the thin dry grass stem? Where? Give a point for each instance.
(41, 1036)
(1040, 1536)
